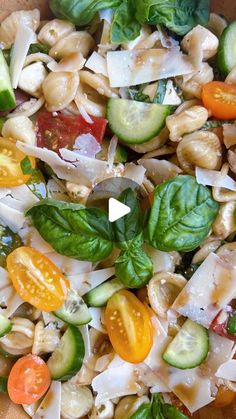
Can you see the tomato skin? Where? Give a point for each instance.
(224, 397)
(10, 164)
(36, 279)
(220, 99)
(219, 324)
(55, 132)
(129, 326)
(29, 380)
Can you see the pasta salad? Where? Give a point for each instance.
(133, 318)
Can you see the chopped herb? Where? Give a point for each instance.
(26, 167)
(34, 48)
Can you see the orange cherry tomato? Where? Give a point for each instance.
(29, 380)
(220, 99)
(10, 164)
(224, 397)
(36, 279)
(129, 326)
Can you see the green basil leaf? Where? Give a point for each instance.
(26, 167)
(170, 412)
(134, 268)
(37, 184)
(161, 91)
(179, 16)
(35, 48)
(231, 325)
(138, 95)
(73, 230)
(124, 26)
(157, 403)
(143, 412)
(80, 12)
(8, 242)
(128, 227)
(181, 216)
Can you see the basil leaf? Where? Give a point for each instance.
(9, 241)
(179, 16)
(157, 402)
(37, 184)
(35, 48)
(73, 230)
(231, 325)
(161, 91)
(138, 95)
(170, 412)
(134, 268)
(143, 412)
(26, 167)
(124, 26)
(128, 227)
(80, 12)
(181, 216)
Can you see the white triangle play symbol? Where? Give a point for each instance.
(117, 210)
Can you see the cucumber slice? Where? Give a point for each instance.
(7, 98)
(5, 325)
(189, 348)
(74, 310)
(67, 359)
(226, 58)
(101, 294)
(136, 122)
(120, 156)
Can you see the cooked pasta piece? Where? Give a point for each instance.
(229, 135)
(191, 84)
(38, 56)
(225, 223)
(200, 42)
(32, 78)
(46, 339)
(221, 194)
(93, 103)
(20, 128)
(60, 89)
(78, 193)
(72, 63)
(104, 411)
(98, 82)
(80, 41)
(54, 30)
(201, 148)
(28, 108)
(76, 401)
(144, 34)
(10, 25)
(104, 46)
(185, 122)
(206, 249)
(20, 340)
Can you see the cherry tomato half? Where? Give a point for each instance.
(224, 397)
(129, 326)
(29, 380)
(220, 99)
(36, 279)
(10, 164)
(220, 323)
(55, 132)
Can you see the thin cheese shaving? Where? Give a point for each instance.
(214, 178)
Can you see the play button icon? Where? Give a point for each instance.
(117, 210)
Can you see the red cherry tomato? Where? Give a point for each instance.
(61, 131)
(219, 324)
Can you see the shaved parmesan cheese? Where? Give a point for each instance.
(24, 37)
(227, 371)
(24, 195)
(166, 40)
(28, 108)
(220, 352)
(134, 172)
(115, 382)
(208, 291)
(9, 299)
(103, 362)
(50, 407)
(171, 96)
(229, 133)
(11, 217)
(162, 261)
(87, 145)
(85, 114)
(96, 323)
(31, 237)
(86, 280)
(86, 338)
(214, 178)
(68, 265)
(150, 379)
(130, 68)
(160, 341)
(159, 170)
(112, 151)
(4, 192)
(97, 64)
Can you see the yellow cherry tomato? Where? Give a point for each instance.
(36, 279)
(224, 397)
(10, 164)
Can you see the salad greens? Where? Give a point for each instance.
(37, 47)
(73, 230)
(181, 216)
(231, 325)
(157, 409)
(124, 27)
(9, 241)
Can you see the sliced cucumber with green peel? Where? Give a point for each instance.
(226, 58)
(101, 294)
(189, 348)
(74, 310)
(5, 325)
(67, 359)
(136, 122)
(7, 98)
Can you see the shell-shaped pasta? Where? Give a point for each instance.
(192, 84)
(73, 62)
(128, 405)
(60, 89)
(185, 122)
(229, 135)
(225, 224)
(154, 144)
(163, 151)
(46, 339)
(93, 103)
(163, 289)
(201, 148)
(84, 377)
(76, 401)
(20, 128)
(10, 25)
(143, 40)
(227, 252)
(104, 411)
(222, 194)
(206, 249)
(32, 78)
(205, 39)
(78, 193)
(187, 104)
(54, 30)
(20, 340)
(98, 82)
(80, 41)
(37, 57)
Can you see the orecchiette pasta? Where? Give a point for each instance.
(54, 30)
(163, 151)
(201, 148)
(76, 401)
(46, 339)
(20, 340)
(37, 57)
(98, 82)
(227, 252)
(185, 122)
(75, 42)
(229, 135)
(92, 102)
(204, 39)
(72, 63)
(32, 78)
(191, 84)
(221, 194)
(225, 224)
(104, 411)
(10, 25)
(206, 249)
(20, 128)
(60, 89)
